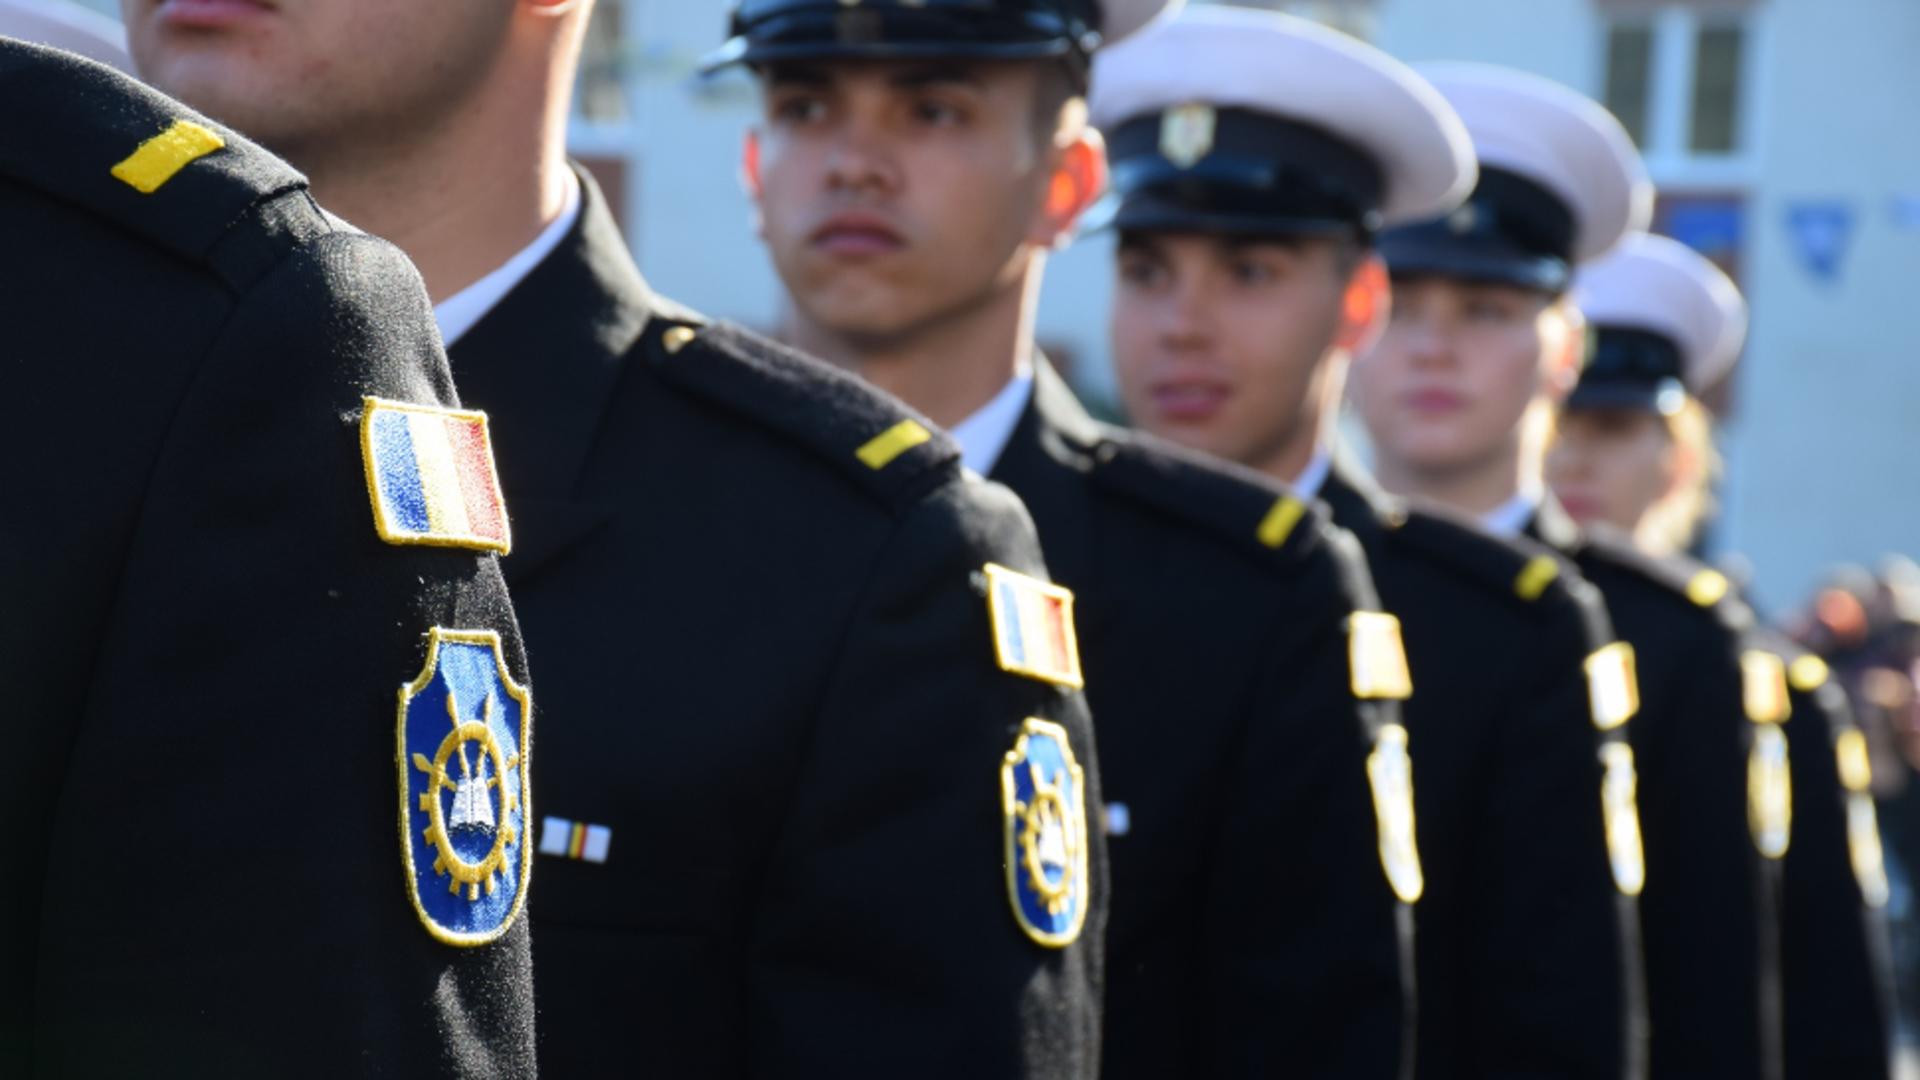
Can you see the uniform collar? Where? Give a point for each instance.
(983, 436)
(1314, 476)
(457, 313)
(1511, 518)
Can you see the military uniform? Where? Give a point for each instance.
(1528, 825)
(1561, 185)
(777, 724)
(1253, 930)
(1666, 323)
(1259, 127)
(1707, 914)
(1835, 967)
(205, 635)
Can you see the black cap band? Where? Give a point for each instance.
(1512, 231)
(1631, 368)
(1245, 172)
(768, 31)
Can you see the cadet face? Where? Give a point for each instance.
(892, 196)
(1458, 367)
(293, 73)
(1218, 342)
(1611, 465)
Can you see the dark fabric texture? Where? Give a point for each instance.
(1527, 952)
(1707, 918)
(1253, 931)
(1836, 971)
(769, 670)
(203, 636)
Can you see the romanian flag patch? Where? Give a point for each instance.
(430, 475)
(1033, 627)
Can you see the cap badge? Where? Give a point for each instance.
(1043, 798)
(1186, 134)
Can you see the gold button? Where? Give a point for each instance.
(678, 338)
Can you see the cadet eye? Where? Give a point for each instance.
(1142, 273)
(935, 113)
(798, 109)
(1253, 272)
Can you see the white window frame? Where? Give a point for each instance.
(1668, 136)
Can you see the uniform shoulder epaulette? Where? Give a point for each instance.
(1243, 509)
(885, 447)
(147, 164)
(1525, 572)
(1689, 581)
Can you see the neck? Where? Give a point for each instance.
(948, 367)
(464, 194)
(1312, 430)
(1485, 484)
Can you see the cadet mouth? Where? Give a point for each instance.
(857, 236)
(211, 14)
(1189, 400)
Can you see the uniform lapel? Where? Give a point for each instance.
(543, 364)
(1047, 462)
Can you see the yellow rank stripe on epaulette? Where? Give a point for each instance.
(1856, 767)
(881, 450)
(1377, 657)
(1807, 673)
(1708, 588)
(1764, 679)
(1281, 521)
(1613, 685)
(160, 158)
(1535, 578)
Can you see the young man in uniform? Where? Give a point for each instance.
(220, 856)
(1458, 398)
(914, 165)
(783, 770)
(1255, 156)
(1634, 450)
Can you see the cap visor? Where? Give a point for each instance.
(1474, 261)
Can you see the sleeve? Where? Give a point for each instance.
(1705, 907)
(1309, 954)
(226, 887)
(1835, 970)
(886, 942)
(1553, 998)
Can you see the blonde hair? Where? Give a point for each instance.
(1673, 523)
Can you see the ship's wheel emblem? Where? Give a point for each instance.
(1043, 795)
(474, 792)
(464, 732)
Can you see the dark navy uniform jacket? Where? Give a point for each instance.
(202, 635)
(1253, 932)
(755, 589)
(1528, 949)
(1708, 915)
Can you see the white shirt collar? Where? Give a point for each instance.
(1510, 518)
(983, 436)
(1314, 476)
(457, 313)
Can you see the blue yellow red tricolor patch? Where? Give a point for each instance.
(1033, 627)
(464, 734)
(430, 475)
(1043, 796)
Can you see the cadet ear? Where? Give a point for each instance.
(1365, 306)
(1079, 177)
(1564, 358)
(750, 178)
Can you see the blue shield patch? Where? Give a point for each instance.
(1043, 796)
(464, 801)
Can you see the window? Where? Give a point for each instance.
(1717, 55)
(1630, 76)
